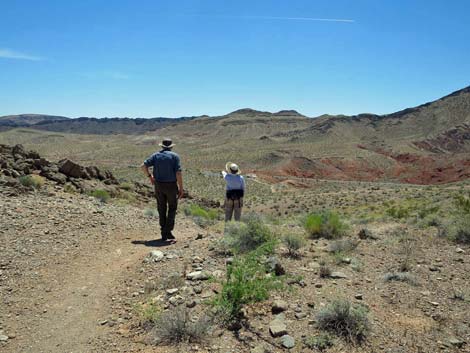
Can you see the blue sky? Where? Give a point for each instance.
(179, 58)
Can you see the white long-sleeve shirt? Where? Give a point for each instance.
(234, 181)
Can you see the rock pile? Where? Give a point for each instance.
(15, 162)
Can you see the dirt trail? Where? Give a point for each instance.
(78, 297)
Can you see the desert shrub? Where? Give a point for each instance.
(324, 270)
(175, 326)
(198, 211)
(343, 246)
(324, 225)
(148, 313)
(345, 320)
(321, 342)
(400, 277)
(151, 212)
(242, 237)
(127, 186)
(203, 217)
(246, 282)
(293, 242)
(101, 195)
(398, 212)
(462, 204)
(70, 189)
(459, 231)
(34, 181)
(406, 254)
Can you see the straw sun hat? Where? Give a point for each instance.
(232, 168)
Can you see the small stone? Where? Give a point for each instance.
(288, 341)
(104, 322)
(456, 342)
(3, 338)
(229, 260)
(318, 285)
(459, 250)
(434, 303)
(278, 327)
(172, 291)
(191, 304)
(156, 256)
(359, 296)
(177, 299)
(279, 306)
(433, 269)
(198, 276)
(300, 316)
(338, 275)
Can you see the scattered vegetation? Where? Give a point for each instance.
(151, 212)
(400, 277)
(293, 242)
(101, 195)
(324, 270)
(176, 326)
(243, 237)
(324, 225)
(34, 181)
(321, 342)
(203, 217)
(148, 313)
(246, 282)
(345, 320)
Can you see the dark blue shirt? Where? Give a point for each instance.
(165, 165)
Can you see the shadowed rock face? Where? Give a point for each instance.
(15, 162)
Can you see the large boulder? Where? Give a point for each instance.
(72, 169)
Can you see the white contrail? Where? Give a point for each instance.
(11, 54)
(280, 18)
(298, 19)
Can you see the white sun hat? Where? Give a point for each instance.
(232, 168)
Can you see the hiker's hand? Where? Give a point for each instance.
(152, 179)
(180, 193)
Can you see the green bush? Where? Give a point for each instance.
(324, 225)
(345, 320)
(34, 181)
(176, 326)
(151, 212)
(321, 342)
(246, 282)
(242, 237)
(101, 195)
(147, 313)
(293, 242)
(198, 211)
(203, 217)
(398, 212)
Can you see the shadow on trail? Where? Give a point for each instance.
(158, 243)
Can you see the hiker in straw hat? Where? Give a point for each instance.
(235, 191)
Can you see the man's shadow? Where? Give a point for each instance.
(157, 243)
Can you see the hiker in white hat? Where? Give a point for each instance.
(235, 191)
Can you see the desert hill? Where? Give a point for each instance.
(427, 144)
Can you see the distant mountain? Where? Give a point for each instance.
(86, 125)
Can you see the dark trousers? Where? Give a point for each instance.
(167, 203)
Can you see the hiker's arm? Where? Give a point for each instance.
(147, 173)
(179, 180)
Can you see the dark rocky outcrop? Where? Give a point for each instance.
(15, 162)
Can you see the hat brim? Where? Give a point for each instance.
(165, 146)
(228, 170)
